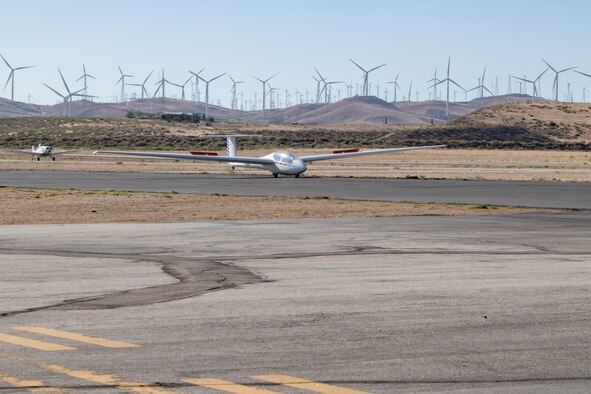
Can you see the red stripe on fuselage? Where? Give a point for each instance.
(204, 153)
(345, 151)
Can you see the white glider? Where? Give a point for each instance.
(42, 150)
(278, 163)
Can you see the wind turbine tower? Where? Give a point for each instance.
(207, 82)
(233, 90)
(447, 80)
(264, 82)
(434, 80)
(84, 76)
(122, 81)
(11, 76)
(396, 86)
(197, 91)
(143, 85)
(366, 76)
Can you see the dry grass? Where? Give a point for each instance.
(32, 206)
(439, 164)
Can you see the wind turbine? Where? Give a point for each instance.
(122, 80)
(66, 98)
(264, 82)
(318, 91)
(448, 80)
(481, 86)
(410, 92)
(233, 90)
(11, 76)
(555, 85)
(434, 80)
(143, 85)
(196, 75)
(207, 82)
(84, 76)
(535, 83)
(396, 86)
(365, 76)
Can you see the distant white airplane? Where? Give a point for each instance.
(42, 150)
(278, 163)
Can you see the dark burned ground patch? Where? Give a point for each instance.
(125, 134)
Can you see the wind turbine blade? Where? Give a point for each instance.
(191, 77)
(540, 76)
(6, 62)
(64, 81)
(232, 79)
(221, 75)
(375, 68)
(258, 79)
(120, 79)
(568, 69)
(120, 70)
(274, 75)
(582, 73)
(469, 90)
(362, 69)
(548, 64)
(55, 91)
(88, 75)
(488, 90)
(8, 80)
(455, 83)
(22, 68)
(148, 77)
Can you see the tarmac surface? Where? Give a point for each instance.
(408, 304)
(528, 194)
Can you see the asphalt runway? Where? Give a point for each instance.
(529, 194)
(382, 305)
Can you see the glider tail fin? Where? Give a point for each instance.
(231, 149)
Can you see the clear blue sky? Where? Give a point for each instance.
(291, 37)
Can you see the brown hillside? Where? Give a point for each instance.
(563, 122)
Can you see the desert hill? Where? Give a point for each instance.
(539, 125)
(562, 122)
(355, 110)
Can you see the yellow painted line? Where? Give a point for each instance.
(309, 385)
(45, 346)
(224, 385)
(76, 337)
(36, 386)
(107, 380)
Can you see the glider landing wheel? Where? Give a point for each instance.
(38, 158)
(53, 158)
(274, 175)
(297, 175)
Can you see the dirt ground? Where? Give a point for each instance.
(38, 206)
(472, 164)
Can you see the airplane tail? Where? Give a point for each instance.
(231, 147)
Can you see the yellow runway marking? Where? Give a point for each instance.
(107, 380)
(224, 385)
(76, 337)
(36, 386)
(304, 384)
(45, 346)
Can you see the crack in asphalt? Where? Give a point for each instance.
(199, 275)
